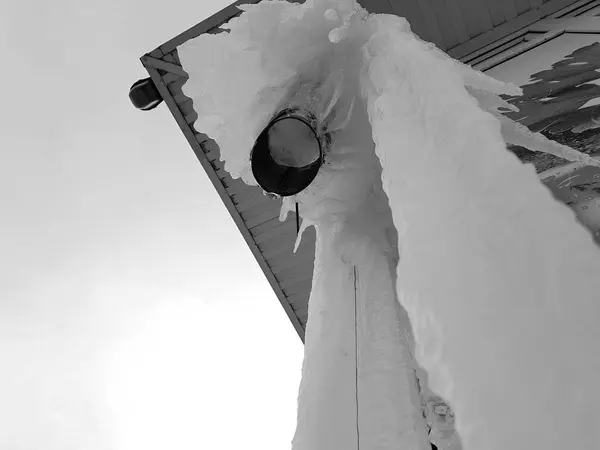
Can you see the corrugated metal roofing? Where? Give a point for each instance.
(473, 30)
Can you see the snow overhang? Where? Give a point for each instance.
(470, 30)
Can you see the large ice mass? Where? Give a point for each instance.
(445, 272)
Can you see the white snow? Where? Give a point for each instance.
(418, 191)
(499, 280)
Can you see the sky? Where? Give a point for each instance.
(132, 313)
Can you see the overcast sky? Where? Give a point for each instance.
(132, 314)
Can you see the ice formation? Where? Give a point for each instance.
(418, 202)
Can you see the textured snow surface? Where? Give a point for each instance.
(358, 388)
(498, 279)
(500, 282)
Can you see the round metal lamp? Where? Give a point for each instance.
(287, 154)
(144, 95)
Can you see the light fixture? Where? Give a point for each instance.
(144, 95)
(287, 154)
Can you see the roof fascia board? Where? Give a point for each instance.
(197, 147)
(521, 48)
(463, 51)
(574, 24)
(574, 7)
(213, 21)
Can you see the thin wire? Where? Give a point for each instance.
(356, 361)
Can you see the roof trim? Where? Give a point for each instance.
(493, 61)
(197, 142)
(584, 24)
(548, 29)
(524, 20)
(213, 21)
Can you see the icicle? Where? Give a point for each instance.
(499, 280)
(305, 224)
(515, 133)
(491, 101)
(287, 205)
(479, 80)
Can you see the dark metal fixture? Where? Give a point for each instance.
(287, 154)
(144, 95)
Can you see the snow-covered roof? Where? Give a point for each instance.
(471, 30)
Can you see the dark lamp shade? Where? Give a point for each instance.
(287, 155)
(144, 95)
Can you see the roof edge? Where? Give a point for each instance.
(213, 21)
(197, 146)
(464, 50)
